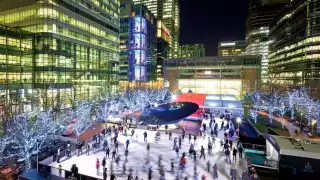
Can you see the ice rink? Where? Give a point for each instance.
(138, 153)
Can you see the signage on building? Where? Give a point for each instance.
(307, 167)
(228, 44)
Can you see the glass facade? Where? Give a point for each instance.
(235, 48)
(191, 51)
(138, 45)
(72, 54)
(142, 45)
(168, 12)
(126, 10)
(163, 45)
(294, 52)
(235, 75)
(261, 14)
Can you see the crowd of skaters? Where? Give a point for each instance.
(176, 167)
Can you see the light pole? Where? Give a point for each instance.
(37, 157)
(282, 113)
(312, 124)
(239, 121)
(301, 119)
(174, 97)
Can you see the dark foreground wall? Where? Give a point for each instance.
(293, 167)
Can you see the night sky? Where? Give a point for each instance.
(211, 21)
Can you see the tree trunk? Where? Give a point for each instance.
(270, 117)
(292, 113)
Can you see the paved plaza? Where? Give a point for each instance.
(138, 153)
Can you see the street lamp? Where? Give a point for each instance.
(174, 97)
(301, 119)
(313, 122)
(239, 121)
(282, 115)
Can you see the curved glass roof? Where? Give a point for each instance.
(212, 100)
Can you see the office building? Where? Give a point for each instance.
(126, 9)
(261, 14)
(234, 75)
(70, 52)
(168, 11)
(232, 48)
(16, 70)
(138, 46)
(163, 45)
(294, 51)
(192, 51)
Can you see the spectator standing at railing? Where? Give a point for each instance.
(60, 170)
(88, 149)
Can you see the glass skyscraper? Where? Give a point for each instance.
(294, 52)
(56, 52)
(261, 15)
(142, 45)
(168, 11)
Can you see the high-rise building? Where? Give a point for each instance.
(232, 48)
(163, 45)
(168, 11)
(191, 51)
(142, 45)
(16, 71)
(126, 9)
(294, 51)
(138, 46)
(70, 53)
(261, 14)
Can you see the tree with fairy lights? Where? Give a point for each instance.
(256, 99)
(318, 118)
(138, 100)
(83, 118)
(4, 141)
(307, 105)
(273, 104)
(132, 101)
(28, 134)
(282, 109)
(292, 96)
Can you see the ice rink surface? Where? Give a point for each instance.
(164, 147)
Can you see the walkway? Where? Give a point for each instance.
(288, 125)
